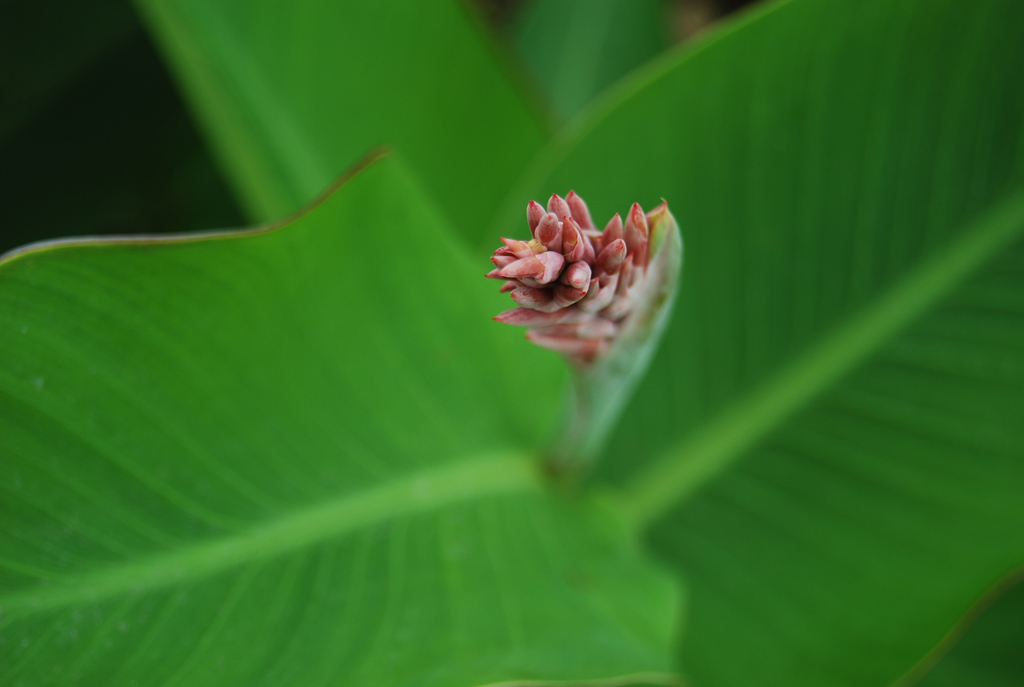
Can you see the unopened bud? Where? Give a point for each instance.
(524, 267)
(610, 259)
(572, 240)
(553, 263)
(579, 210)
(572, 346)
(558, 206)
(534, 212)
(613, 230)
(577, 275)
(601, 299)
(520, 249)
(567, 295)
(549, 232)
(535, 299)
(525, 317)
(636, 235)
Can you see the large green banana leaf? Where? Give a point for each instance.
(830, 446)
(264, 459)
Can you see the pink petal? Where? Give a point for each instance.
(588, 249)
(592, 290)
(525, 317)
(553, 263)
(567, 295)
(625, 275)
(579, 210)
(524, 267)
(636, 235)
(535, 299)
(558, 206)
(549, 232)
(613, 230)
(534, 212)
(603, 298)
(611, 258)
(577, 275)
(521, 249)
(572, 240)
(568, 345)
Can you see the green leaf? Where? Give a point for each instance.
(576, 49)
(991, 653)
(295, 455)
(828, 443)
(293, 94)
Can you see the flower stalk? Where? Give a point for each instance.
(599, 298)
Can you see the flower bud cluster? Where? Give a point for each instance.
(573, 283)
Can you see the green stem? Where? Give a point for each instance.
(599, 392)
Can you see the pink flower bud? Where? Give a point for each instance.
(600, 299)
(525, 317)
(549, 232)
(610, 259)
(575, 286)
(534, 212)
(558, 206)
(589, 255)
(520, 249)
(553, 263)
(567, 295)
(587, 348)
(603, 297)
(524, 267)
(572, 240)
(535, 299)
(625, 274)
(613, 230)
(636, 235)
(577, 275)
(579, 210)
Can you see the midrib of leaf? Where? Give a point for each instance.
(699, 458)
(416, 493)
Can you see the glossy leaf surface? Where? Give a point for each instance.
(828, 443)
(293, 94)
(294, 456)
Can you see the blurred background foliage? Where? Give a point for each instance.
(87, 106)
